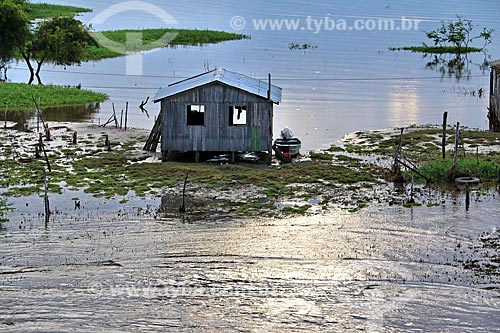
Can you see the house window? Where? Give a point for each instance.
(237, 115)
(196, 115)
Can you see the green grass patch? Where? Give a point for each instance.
(438, 170)
(45, 10)
(158, 38)
(19, 96)
(437, 49)
(323, 156)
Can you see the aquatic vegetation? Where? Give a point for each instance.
(158, 38)
(301, 47)
(19, 96)
(469, 167)
(45, 10)
(437, 49)
(453, 37)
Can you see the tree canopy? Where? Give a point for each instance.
(14, 28)
(59, 40)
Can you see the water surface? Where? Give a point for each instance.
(349, 82)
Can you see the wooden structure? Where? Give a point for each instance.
(218, 111)
(494, 109)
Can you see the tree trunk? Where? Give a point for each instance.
(26, 57)
(38, 68)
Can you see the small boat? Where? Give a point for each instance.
(289, 147)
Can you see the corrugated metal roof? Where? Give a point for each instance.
(495, 64)
(246, 83)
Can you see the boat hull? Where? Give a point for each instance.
(290, 147)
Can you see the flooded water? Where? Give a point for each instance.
(381, 270)
(349, 82)
(112, 267)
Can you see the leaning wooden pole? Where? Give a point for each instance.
(46, 197)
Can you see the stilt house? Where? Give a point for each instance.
(219, 111)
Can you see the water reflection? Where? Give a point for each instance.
(404, 104)
(80, 113)
(457, 66)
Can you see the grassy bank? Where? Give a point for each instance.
(479, 156)
(19, 96)
(437, 49)
(158, 38)
(44, 10)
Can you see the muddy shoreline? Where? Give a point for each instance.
(349, 176)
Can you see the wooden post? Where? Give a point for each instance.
(121, 120)
(107, 143)
(400, 141)
(233, 157)
(443, 142)
(47, 132)
(126, 115)
(75, 139)
(455, 155)
(197, 156)
(6, 109)
(397, 152)
(46, 197)
(182, 209)
(37, 120)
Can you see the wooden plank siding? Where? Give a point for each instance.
(494, 109)
(216, 135)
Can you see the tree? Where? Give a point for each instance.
(61, 40)
(14, 30)
(458, 34)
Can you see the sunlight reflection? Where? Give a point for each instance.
(404, 105)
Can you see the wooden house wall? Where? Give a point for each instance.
(216, 135)
(494, 110)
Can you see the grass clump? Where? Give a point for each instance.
(19, 96)
(323, 156)
(438, 170)
(158, 38)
